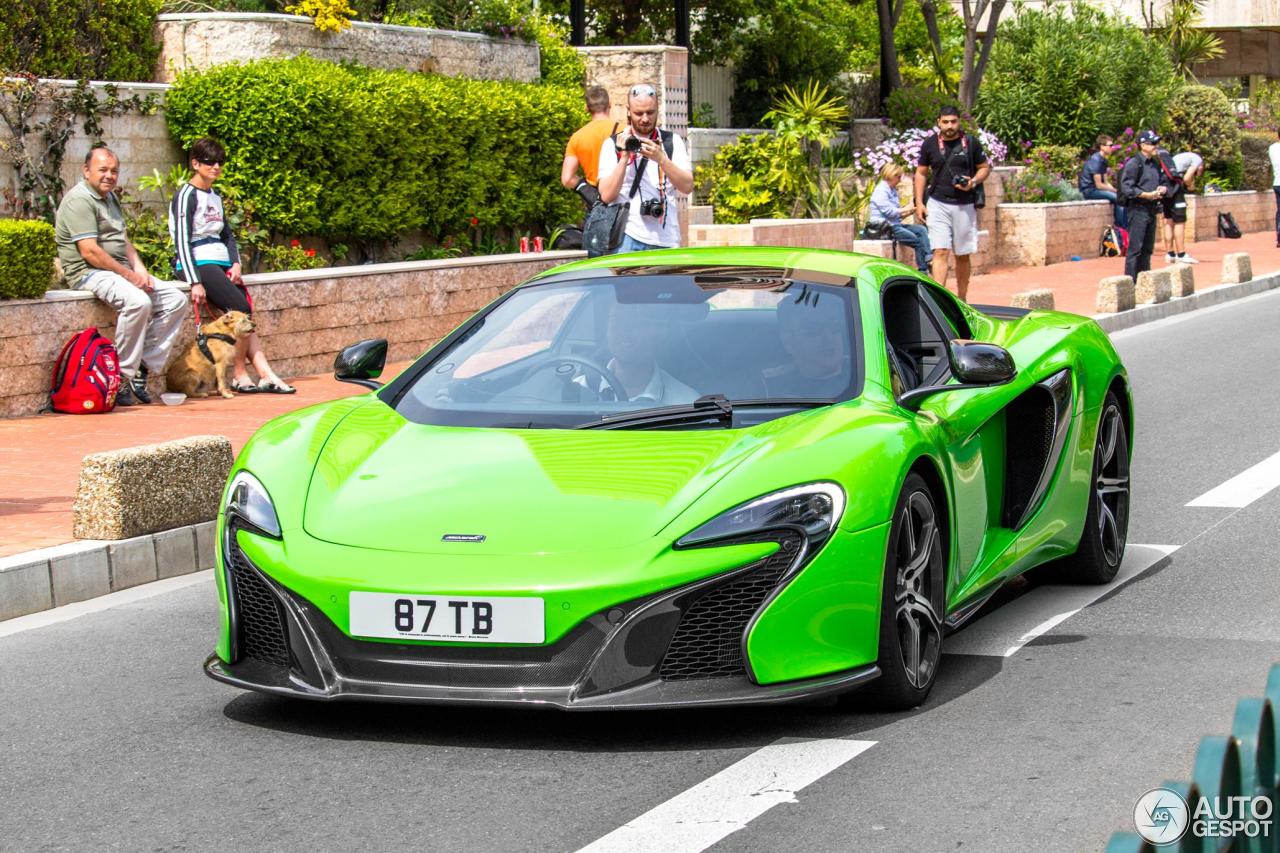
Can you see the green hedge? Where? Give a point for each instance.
(351, 153)
(80, 39)
(1201, 119)
(27, 251)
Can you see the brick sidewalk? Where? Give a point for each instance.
(40, 456)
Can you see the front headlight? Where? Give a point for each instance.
(814, 508)
(248, 500)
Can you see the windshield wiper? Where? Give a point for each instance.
(707, 407)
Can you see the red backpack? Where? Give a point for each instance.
(86, 376)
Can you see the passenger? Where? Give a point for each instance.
(817, 339)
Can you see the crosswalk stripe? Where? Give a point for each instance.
(725, 803)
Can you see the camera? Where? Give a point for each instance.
(652, 207)
(631, 144)
(958, 181)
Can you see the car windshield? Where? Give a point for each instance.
(566, 353)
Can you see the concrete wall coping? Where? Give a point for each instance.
(1041, 204)
(630, 48)
(99, 84)
(273, 18)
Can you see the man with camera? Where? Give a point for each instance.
(1142, 189)
(650, 167)
(948, 202)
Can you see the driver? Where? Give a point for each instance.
(817, 339)
(634, 337)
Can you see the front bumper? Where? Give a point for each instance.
(683, 647)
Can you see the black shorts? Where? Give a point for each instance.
(1174, 205)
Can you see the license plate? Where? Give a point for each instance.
(454, 618)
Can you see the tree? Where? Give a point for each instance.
(975, 54)
(888, 13)
(1180, 29)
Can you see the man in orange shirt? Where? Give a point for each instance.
(583, 150)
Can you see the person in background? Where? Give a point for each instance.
(1140, 184)
(1094, 183)
(97, 256)
(209, 260)
(1181, 172)
(887, 207)
(1273, 153)
(579, 171)
(947, 202)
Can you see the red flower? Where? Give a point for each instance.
(475, 221)
(293, 244)
(311, 253)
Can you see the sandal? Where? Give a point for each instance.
(244, 386)
(268, 386)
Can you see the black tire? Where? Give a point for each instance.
(912, 602)
(1106, 526)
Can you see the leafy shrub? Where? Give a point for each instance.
(1038, 187)
(291, 257)
(79, 39)
(739, 178)
(1062, 76)
(330, 16)
(915, 106)
(350, 153)
(1201, 119)
(27, 251)
(1063, 161)
(1257, 168)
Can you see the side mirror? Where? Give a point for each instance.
(975, 364)
(361, 363)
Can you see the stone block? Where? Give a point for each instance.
(1115, 293)
(1152, 286)
(137, 490)
(206, 538)
(24, 586)
(133, 561)
(175, 552)
(1182, 280)
(79, 573)
(1041, 298)
(1236, 268)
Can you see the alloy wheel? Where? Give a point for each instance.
(1111, 486)
(917, 590)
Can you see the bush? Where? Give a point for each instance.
(1201, 119)
(1039, 188)
(1257, 167)
(79, 39)
(738, 179)
(27, 251)
(1062, 76)
(350, 153)
(1063, 161)
(915, 106)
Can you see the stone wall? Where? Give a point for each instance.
(141, 141)
(801, 233)
(620, 68)
(1039, 234)
(305, 317)
(1253, 211)
(204, 39)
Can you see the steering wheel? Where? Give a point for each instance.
(584, 365)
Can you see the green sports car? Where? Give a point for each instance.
(674, 478)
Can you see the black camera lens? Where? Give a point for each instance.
(654, 207)
(959, 180)
(632, 143)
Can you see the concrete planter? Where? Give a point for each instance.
(799, 233)
(1039, 234)
(305, 317)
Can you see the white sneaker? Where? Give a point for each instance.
(1187, 259)
(1170, 258)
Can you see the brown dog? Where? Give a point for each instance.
(194, 374)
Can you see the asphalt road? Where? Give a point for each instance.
(112, 738)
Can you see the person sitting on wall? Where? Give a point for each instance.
(886, 207)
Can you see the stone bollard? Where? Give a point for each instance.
(1153, 286)
(1034, 299)
(1182, 280)
(137, 490)
(1236, 268)
(1115, 293)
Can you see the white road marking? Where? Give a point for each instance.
(729, 800)
(1245, 487)
(103, 602)
(1003, 632)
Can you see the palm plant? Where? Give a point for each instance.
(1188, 42)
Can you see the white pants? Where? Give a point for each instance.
(953, 226)
(148, 323)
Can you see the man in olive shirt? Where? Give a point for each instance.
(97, 256)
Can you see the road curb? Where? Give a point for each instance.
(51, 577)
(1182, 304)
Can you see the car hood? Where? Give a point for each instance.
(381, 481)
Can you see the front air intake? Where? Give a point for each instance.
(259, 616)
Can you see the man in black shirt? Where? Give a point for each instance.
(946, 202)
(1142, 188)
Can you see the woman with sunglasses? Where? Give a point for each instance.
(209, 261)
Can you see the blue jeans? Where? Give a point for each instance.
(1121, 214)
(631, 244)
(917, 237)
